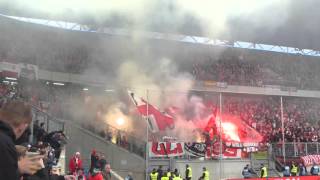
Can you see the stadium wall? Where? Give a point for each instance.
(121, 160)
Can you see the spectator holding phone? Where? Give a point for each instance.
(15, 117)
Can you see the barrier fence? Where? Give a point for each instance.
(297, 149)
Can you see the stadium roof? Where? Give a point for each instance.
(300, 29)
(165, 36)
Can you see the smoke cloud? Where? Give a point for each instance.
(208, 16)
(132, 64)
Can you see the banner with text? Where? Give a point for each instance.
(172, 149)
(166, 149)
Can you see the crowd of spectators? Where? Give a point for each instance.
(300, 115)
(233, 71)
(292, 71)
(99, 167)
(47, 146)
(24, 157)
(74, 53)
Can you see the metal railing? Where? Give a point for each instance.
(296, 149)
(120, 138)
(50, 123)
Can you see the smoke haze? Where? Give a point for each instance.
(132, 64)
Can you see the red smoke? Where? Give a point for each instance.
(233, 129)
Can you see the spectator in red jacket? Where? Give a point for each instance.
(75, 163)
(96, 175)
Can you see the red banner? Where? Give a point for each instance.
(310, 159)
(286, 178)
(172, 149)
(166, 149)
(28, 71)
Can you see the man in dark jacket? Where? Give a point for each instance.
(160, 172)
(15, 117)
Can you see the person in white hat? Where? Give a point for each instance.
(75, 163)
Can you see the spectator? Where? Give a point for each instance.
(302, 170)
(105, 168)
(51, 160)
(314, 169)
(55, 174)
(80, 175)
(96, 175)
(15, 117)
(108, 171)
(75, 163)
(129, 176)
(160, 172)
(94, 160)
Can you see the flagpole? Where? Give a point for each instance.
(282, 129)
(220, 124)
(147, 140)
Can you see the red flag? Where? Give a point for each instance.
(157, 120)
(233, 129)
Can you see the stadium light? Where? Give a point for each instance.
(11, 78)
(85, 89)
(58, 84)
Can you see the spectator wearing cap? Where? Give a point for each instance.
(75, 163)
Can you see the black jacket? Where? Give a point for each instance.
(42, 174)
(56, 177)
(8, 153)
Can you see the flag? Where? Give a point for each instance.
(157, 120)
(233, 129)
(211, 127)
